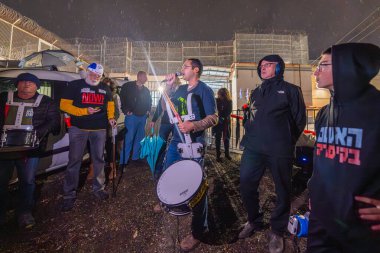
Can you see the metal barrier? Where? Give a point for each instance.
(236, 136)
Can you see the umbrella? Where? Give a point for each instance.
(47, 58)
(150, 149)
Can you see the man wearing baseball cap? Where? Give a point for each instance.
(89, 103)
(23, 112)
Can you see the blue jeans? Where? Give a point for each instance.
(78, 141)
(199, 220)
(165, 130)
(26, 172)
(135, 126)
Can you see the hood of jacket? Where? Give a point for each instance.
(281, 65)
(354, 65)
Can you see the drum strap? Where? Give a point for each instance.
(190, 115)
(20, 111)
(202, 191)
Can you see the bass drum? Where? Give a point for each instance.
(181, 187)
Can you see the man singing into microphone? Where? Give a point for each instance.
(204, 109)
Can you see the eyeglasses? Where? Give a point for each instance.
(267, 65)
(322, 66)
(94, 75)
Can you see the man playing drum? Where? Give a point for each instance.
(204, 110)
(24, 113)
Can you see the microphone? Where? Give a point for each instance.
(176, 74)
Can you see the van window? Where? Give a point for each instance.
(6, 84)
(45, 88)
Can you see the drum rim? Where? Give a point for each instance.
(11, 132)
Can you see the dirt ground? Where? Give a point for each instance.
(127, 223)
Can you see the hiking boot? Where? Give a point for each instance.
(157, 208)
(68, 204)
(189, 243)
(248, 229)
(101, 195)
(276, 243)
(26, 220)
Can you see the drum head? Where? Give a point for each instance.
(179, 182)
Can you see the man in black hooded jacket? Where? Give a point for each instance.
(277, 117)
(346, 156)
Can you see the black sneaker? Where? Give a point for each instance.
(101, 195)
(276, 243)
(26, 220)
(249, 229)
(68, 204)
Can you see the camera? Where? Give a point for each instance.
(299, 224)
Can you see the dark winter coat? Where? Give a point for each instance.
(46, 117)
(224, 117)
(277, 116)
(135, 100)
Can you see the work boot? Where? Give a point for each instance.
(189, 243)
(26, 220)
(68, 204)
(276, 243)
(248, 229)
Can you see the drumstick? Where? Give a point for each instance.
(172, 107)
(167, 98)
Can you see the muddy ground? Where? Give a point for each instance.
(127, 223)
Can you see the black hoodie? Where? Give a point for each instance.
(277, 115)
(347, 149)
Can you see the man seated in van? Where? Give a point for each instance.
(24, 112)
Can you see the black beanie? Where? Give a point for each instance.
(28, 77)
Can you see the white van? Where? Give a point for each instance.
(53, 84)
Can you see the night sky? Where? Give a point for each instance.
(325, 21)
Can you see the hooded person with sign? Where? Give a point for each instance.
(345, 185)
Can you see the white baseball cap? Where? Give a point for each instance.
(96, 68)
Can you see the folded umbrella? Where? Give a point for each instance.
(150, 149)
